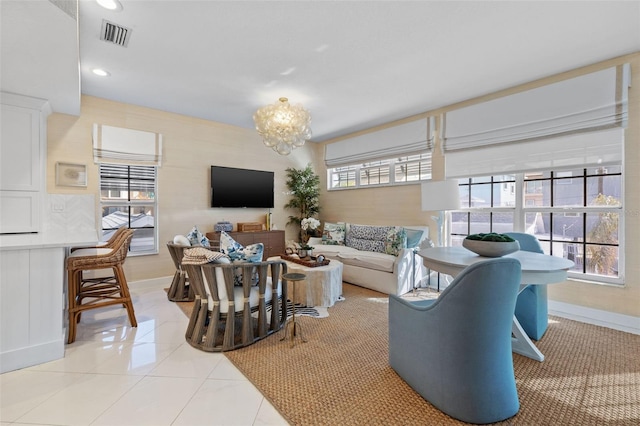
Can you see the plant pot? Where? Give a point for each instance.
(490, 248)
(302, 253)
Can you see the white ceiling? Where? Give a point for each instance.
(353, 65)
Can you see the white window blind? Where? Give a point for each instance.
(403, 140)
(583, 149)
(576, 122)
(587, 103)
(126, 146)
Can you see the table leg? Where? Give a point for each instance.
(522, 344)
(520, 341)
(296, 329)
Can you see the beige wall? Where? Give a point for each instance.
(190, 147)
(401, 204)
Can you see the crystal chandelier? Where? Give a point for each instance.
(283, 127)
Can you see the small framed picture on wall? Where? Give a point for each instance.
(68, 174)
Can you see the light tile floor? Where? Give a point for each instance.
(114, 374)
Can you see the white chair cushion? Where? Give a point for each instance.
(94, 251)
(238, 294)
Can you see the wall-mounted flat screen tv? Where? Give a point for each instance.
(231, 187)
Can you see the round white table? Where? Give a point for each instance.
(536, 269)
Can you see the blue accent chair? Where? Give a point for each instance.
(532, 311)
(455, 351)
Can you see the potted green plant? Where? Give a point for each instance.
(304, 188)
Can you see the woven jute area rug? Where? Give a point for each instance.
(341, 376)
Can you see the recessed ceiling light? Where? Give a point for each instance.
(110, 4)
(100, 72)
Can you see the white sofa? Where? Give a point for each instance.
(377, 271)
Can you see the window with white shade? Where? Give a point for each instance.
(393, 171)
(128, 198)
(394, 155)
(575, 214)
(547, 161)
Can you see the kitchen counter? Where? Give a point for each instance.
(48, 240)
(33, 296)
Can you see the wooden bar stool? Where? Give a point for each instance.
(91, 293)
(115, 238)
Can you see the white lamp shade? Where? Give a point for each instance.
(440, 195)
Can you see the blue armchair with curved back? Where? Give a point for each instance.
(455, 351)
(531, 308)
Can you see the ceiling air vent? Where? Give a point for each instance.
(114, 33)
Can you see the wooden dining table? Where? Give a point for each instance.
(537, 268)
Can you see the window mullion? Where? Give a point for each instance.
(518, 215)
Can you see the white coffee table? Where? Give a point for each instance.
(322, 286)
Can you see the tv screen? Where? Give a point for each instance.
(231, 187)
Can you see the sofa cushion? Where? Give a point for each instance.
(333, 250)
(367, 238)
(334, 233)
(367, 259)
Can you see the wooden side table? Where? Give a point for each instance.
(295, 327)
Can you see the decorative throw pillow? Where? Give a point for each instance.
(334, 233)
(251, 253)
(228, 245)
(238, 277)
(181, 240)
(197, 238)
(368, 238)
(413, 237)
(396, 240)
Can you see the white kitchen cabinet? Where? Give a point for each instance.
(20, 149)
(31, 306)
(22, 162)
(19, 211)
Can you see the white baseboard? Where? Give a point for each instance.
(626, 323)
(32, 355)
